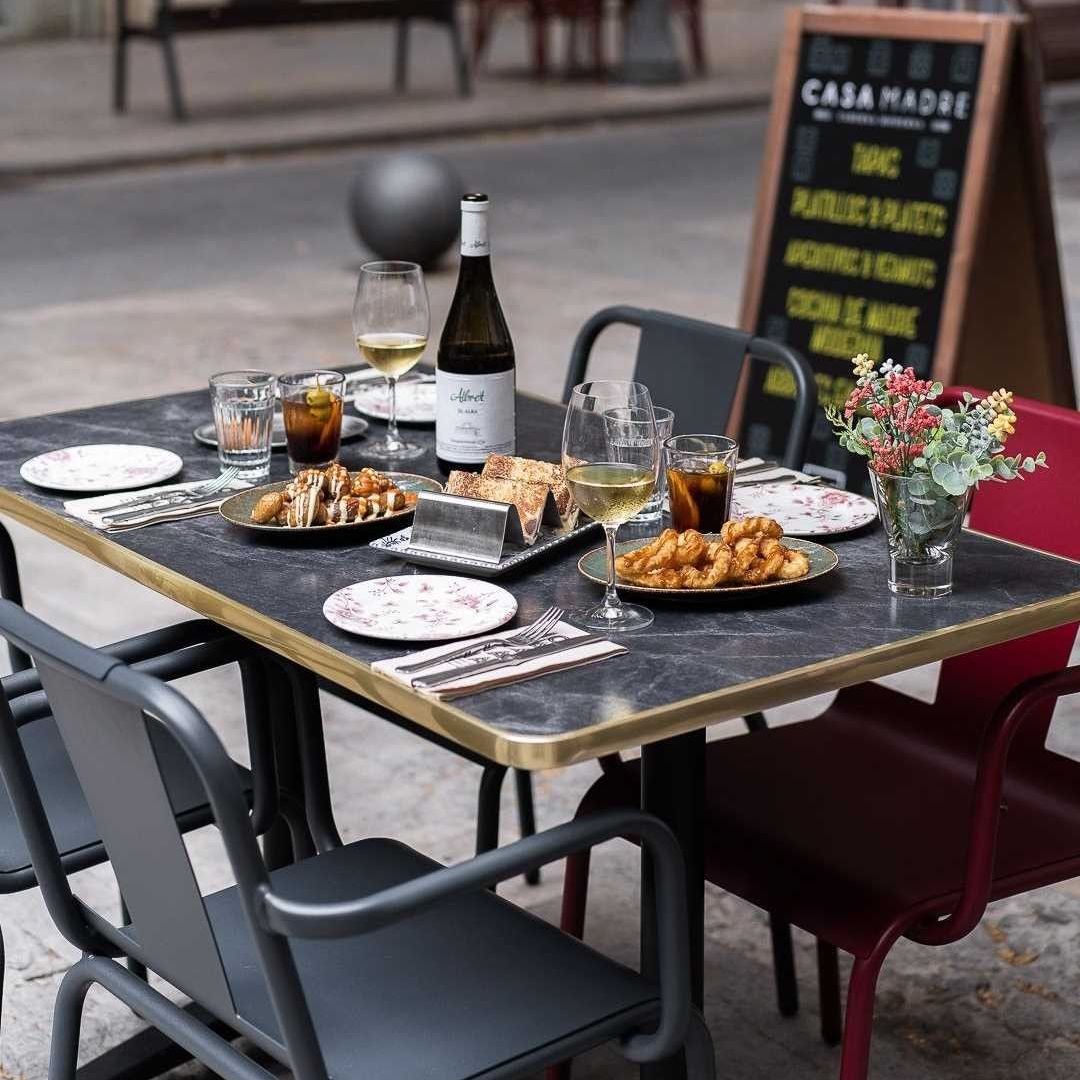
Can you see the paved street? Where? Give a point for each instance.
(125, 285)
(330, 85)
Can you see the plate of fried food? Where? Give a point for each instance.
(332, 498)
(746, 555)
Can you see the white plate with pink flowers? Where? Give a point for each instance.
(101, 467)
(415, 401)
(420, 607)
(804, 509)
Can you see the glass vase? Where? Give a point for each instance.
(921, 522)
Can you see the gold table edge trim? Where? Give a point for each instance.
(542, 752)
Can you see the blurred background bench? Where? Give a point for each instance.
(162, 20)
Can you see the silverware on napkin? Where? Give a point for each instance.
(172, 512)
(532, 634)
(170, 500)
(569, 644)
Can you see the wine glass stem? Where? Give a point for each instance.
(392, 437)
(611, 596)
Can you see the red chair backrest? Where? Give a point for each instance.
(1042, 510)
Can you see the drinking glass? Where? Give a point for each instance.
(611, 454)
(653, 511)
(390, 322)
(243, 406)
(700, 480)
(312, 404)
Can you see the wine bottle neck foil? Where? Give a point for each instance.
(474, 229)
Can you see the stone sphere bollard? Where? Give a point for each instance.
(407, 206)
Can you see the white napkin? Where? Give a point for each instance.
(531, 669)
(766, 476)
(91, 510)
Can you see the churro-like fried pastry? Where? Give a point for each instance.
(753, 528)
(748, 553)
(796, 565)
(306, 509)
(268, 507)
(337, 481)
(368, 482)
(346, 510)
(332, 496)
(306, 480)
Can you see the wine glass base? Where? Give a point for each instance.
(385, 450)
(609, 620)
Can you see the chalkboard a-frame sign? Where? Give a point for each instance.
(904, 211)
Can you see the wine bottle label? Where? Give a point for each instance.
(474, 229)
(474, 416)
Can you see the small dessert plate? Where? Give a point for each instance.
(101, 467)
(415, 401)
(422, 607)
(804, 509)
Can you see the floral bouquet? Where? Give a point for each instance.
(924, 460)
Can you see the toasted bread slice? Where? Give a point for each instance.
(531, 471)
(529, 499)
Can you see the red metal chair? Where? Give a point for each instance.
(591, 12)
(887, 817)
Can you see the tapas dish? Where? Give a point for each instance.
(330, 498)
(747, 554)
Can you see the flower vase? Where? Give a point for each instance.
(922, 522)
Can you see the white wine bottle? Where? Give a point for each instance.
(475, 375)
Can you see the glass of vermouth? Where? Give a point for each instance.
(312, 406)
(611, 454)
(700, 480)
(243, 406)
(390, 323)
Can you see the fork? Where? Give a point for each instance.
(528, 635)
(138, 507)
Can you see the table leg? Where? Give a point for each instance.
(280, 846)
(673, 788)
(649, 54)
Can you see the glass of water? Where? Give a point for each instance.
(653, 510)
(243, 406)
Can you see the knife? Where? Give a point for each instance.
(152, 510)
(430, 682)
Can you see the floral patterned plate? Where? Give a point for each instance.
(101, 467)
(804, 509)
(422, 607)
(415, 401)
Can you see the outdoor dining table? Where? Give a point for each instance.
(700, 662)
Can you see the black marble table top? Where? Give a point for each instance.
(700, 662)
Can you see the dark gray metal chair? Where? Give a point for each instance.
(11, 589)
(172, 652)
(694, 367)
(365, 960)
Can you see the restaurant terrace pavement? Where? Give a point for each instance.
(92, 313)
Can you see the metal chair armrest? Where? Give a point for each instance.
(130, 650)
(587, 335)
(201, 645)
(1007, 720)
(296, 918)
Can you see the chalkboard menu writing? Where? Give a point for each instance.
(865, 216)
(872, 151)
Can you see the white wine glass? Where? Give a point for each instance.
(611, 454)
(390, 322)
